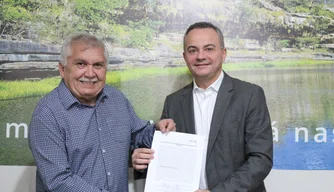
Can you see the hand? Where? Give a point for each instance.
(202, 190)
(141, 157)
(166, 125)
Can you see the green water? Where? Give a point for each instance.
(296, 97)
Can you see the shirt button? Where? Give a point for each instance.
(103, 151)
(108, 173)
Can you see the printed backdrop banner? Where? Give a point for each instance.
(285, 46)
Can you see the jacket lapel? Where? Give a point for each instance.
(223, 99)
(187, 108)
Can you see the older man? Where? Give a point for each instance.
(231, 114)
(81, 132)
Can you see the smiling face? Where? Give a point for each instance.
(204, 55)
(85, 72)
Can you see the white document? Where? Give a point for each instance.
(177, 162)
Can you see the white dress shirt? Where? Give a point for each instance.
(204, 103)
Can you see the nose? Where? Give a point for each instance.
(90, 71)
(200, 55)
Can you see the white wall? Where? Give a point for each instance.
(300, 181)
(17, 178)
(22, 179)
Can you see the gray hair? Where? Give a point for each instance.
(204, 25)
(89, 40)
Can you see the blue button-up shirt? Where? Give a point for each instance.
(85, 148)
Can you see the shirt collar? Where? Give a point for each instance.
(215, 85)
(68, 99)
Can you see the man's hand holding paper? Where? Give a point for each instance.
(175, 165)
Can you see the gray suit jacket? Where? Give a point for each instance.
(240, 146)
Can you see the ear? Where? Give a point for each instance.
(61, 69)
(224, 53)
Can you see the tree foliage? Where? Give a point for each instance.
(15, 17)
(52, 20)
(134, 23)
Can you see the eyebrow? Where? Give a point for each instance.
(205, 46)
(78, 60)
(85, 62)
(99, 63)
(191, 47)
(209, 45)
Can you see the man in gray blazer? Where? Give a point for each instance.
(231, 114)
